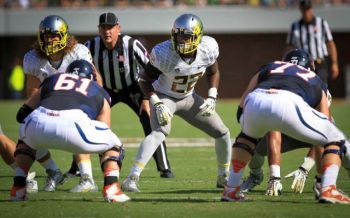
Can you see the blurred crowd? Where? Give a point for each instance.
(39, 4)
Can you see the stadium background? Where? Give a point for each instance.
(247, 36)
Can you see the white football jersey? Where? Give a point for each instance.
(41, 68)
(178, 78)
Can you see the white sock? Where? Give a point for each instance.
(136, 170)
(236, 172)
(330, 175)
(275, 171)
(49, 165)
(308, 163)
(223, 149)
(85, 168)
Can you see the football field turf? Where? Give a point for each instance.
(192, 193)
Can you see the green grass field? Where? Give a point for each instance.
(191, 194)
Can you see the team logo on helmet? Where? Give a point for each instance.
(186, 33)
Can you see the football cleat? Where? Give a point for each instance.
(251, 181)
(232, 194)
(86, 184)
(317, 187)
(31, 183)
(18, 194)
(112, 193)
(53, 179)
(221, 181)
(69, 175)
(332, 195)
(130, 184)
(274, 187)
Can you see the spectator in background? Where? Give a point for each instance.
(313, 34)
(17, 79)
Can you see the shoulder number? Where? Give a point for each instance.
(285, 66)
(70, 82)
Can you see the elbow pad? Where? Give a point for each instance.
(23, 112)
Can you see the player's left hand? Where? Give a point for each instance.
(208, 107)
(299, 176)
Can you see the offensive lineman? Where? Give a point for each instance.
(175, 67)
(69, 112)
(289, 98)
(53, 52)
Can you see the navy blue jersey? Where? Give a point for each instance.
(69, 91)
(293, 78)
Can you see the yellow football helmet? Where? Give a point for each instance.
(186, 33)
(52, 25)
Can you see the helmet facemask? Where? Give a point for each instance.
(186, 34)
(52, 26)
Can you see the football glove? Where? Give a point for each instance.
(274, 187)
(299, 176)
(162, 111)
(208, 107)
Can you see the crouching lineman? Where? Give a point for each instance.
(70, 112)
(290, 98)
(174, 69)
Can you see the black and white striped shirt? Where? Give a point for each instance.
(119, 67)
(311, 37)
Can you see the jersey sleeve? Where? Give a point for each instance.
(28, 63)
(156, 57)
(140, 53)
(211, 48)
(83, 52)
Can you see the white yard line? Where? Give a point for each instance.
(172, 142)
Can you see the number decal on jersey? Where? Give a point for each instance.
(70, 81)
(282, 69)
(184, 84)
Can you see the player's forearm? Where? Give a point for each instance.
(146, 88)
(332, 49)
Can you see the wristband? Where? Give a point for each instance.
(213, 92)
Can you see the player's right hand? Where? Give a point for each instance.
(299, 176)
(163, 113)
(274, 187)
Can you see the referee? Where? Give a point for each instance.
(313, 34)
(118, 59)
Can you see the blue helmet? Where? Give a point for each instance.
(82, 68)
(299, 57)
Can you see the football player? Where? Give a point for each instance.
(174, 69)
(7, 151)
(282, 88)
(70, 112)
(55, 49)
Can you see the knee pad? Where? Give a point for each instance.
(341, 151)
(24, 151)
(244, 147)
(118, 159)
